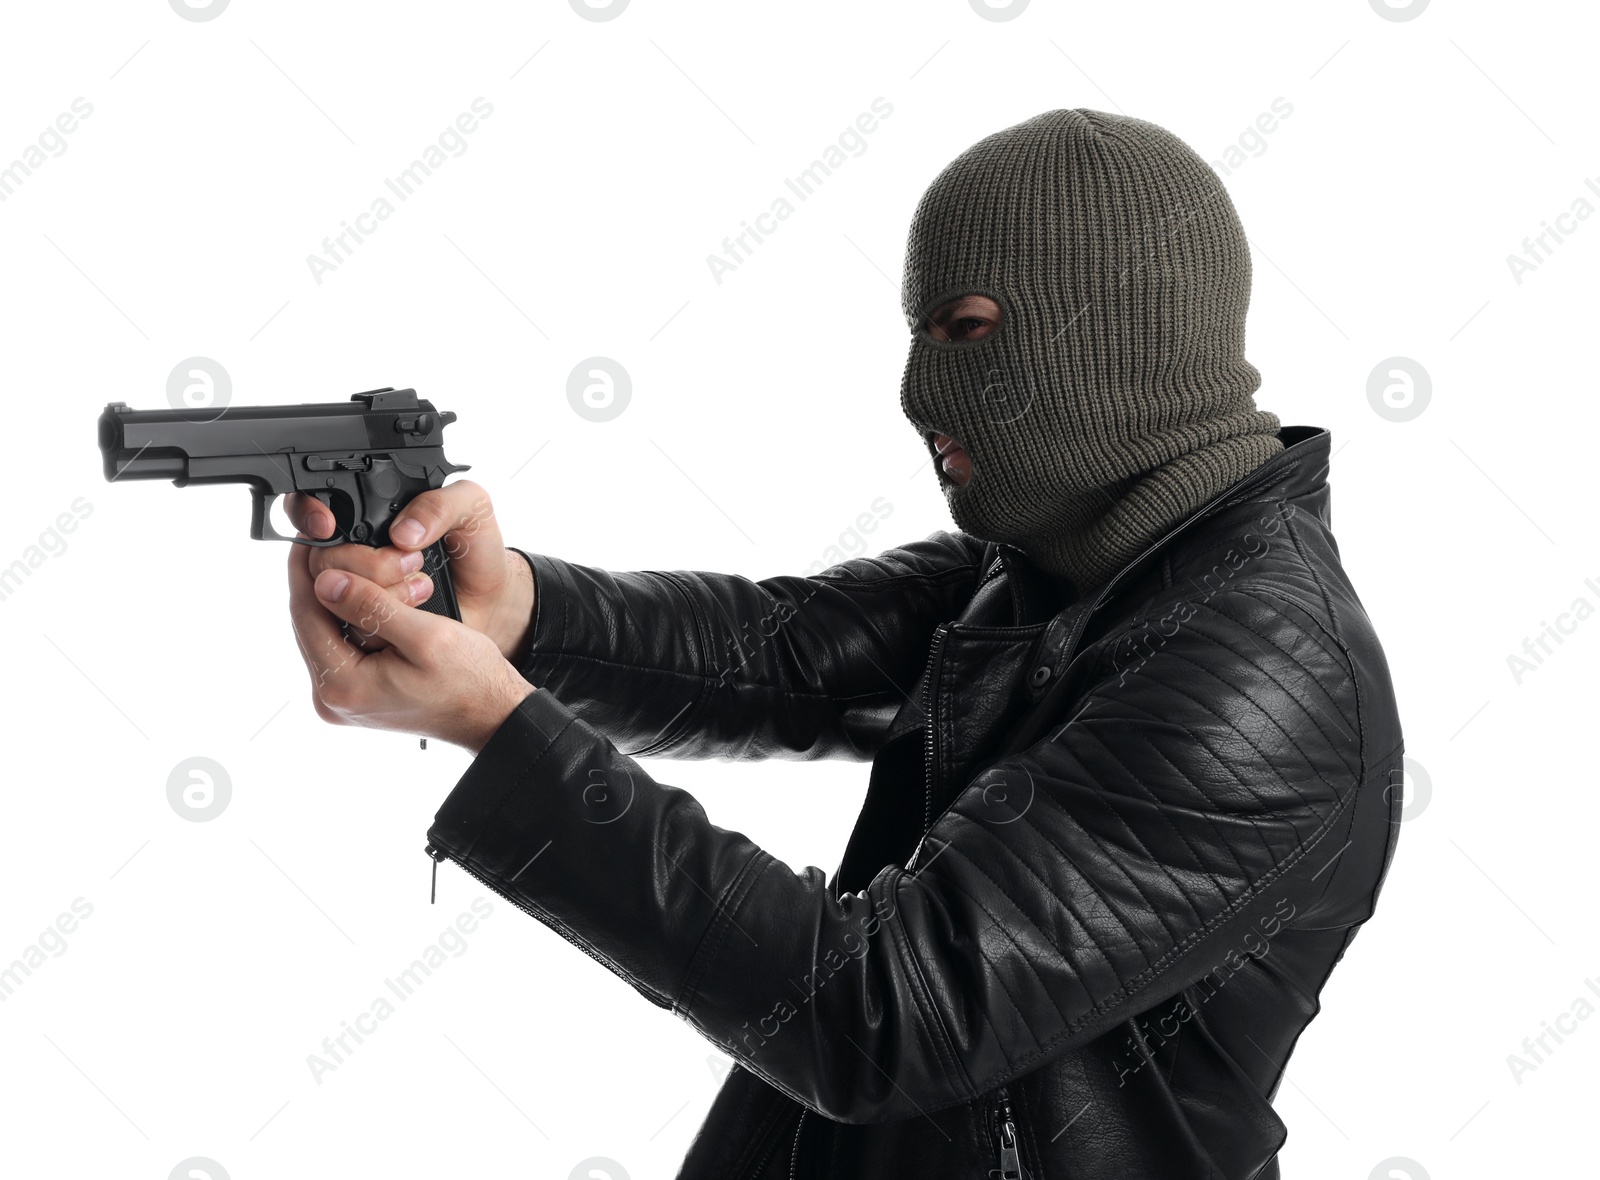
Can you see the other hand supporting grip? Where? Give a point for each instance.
(435, 561)
(436, 564)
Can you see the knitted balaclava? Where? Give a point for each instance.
(1114, 397)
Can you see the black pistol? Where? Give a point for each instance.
(365, 459)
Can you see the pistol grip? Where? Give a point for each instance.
(436, 565)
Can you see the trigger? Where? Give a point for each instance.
(261, 520)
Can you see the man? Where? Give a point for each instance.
(1135, 751)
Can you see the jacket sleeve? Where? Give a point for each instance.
(1067, 888)
(702, 665)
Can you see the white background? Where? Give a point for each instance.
(764, 420)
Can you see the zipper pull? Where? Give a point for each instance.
(436, 856)
(1010, 1162)
(1010, 1158)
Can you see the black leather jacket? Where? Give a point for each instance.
(1110, 850)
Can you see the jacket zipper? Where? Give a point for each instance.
(762, 1161)
(930, 750)
(1006, 1127)
(1006, 1133)
(437, 854)
(794, 1152)
(928, 755)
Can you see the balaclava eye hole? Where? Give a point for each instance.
(921, 325)
(1113, 397)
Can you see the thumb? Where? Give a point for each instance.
(462, 515)
(371, 610)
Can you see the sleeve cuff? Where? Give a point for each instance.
(541, 661)
(554, 818)
(502, 767)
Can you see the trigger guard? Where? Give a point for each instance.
(261, 522)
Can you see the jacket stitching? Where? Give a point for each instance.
(1134, 985)
(1387, 764)
(1267, 712)
(721, 921)
(895, 581)
(1350, 932)
(935, 1030)
(1025, 1125)
(1344, 650)
(1113, 860)
(703, 636)
(1237, 778)
(893, 683)
(1328, 884)
(573, 657)
(1083, 925)
(1335, 647)
(1023, 955)
(1333, 619)
(1155, 752)
(546, 916)
(777, 1111)
(1001, 926)
(1128, 702)
(1311, 572)
(1199, 862)
(1331, 744)
(1248, 894)
(909, 960)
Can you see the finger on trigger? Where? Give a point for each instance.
(308, 514)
